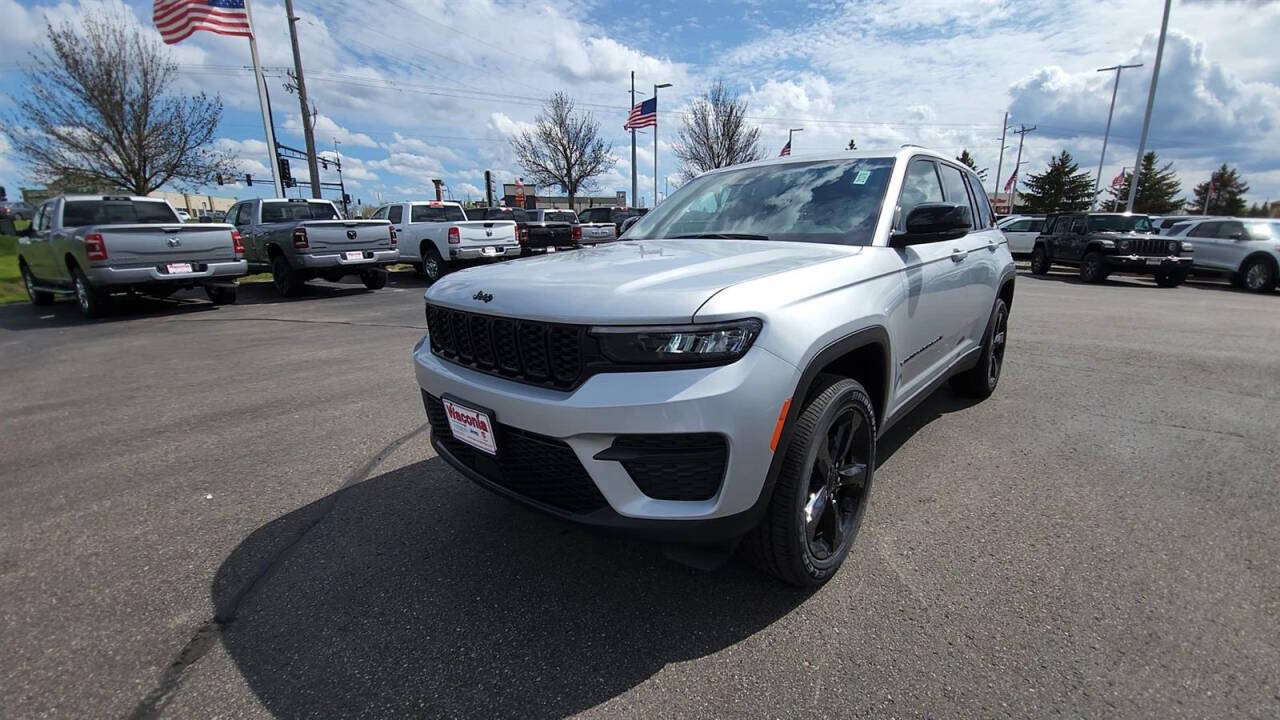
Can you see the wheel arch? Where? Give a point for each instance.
(1259, 254)
(274, 251)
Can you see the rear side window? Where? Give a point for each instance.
(78, 213)
(287, 211)
(396, 214)
(435, 213)
(520, 215)
(1020, 226)
(921, 185)
(1206, 229)
(956, 192)
(1036, 226)
(1229, 228)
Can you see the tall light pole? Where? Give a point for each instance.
(655, 140)
(1151, 101)
(1107, 133)
(789, 133)
(634, 188)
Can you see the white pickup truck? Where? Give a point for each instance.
(435, 235)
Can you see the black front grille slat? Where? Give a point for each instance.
(527, 351)
(538, 467)
(1150, 246)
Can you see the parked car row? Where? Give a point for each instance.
(96, 246)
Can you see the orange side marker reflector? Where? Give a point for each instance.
(777, 429)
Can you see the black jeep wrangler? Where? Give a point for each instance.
(1102, 243)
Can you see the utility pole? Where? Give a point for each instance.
(1106, 135)
(634, 188)
(312, 165)
(655, 140)
(1021, 132)
(1151, 101)
(1004, 128)
(342, 188)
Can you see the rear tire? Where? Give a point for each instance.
(1040, 263)
(37, 297)
(1093, 269)
(93, 304)
(805, 536)
(221, 294)
(981, 380)
(374, 279)
(1258, 275)
(1170, 278)
(288, 281)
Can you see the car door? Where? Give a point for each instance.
(1206, 251)
(978, 268)
(35, 246)
(1069, 238)
(1231, 245)
(930, 323)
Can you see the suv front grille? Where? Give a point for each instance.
(538, 467)
(528, 351)
(1150, 246)
(672, 467)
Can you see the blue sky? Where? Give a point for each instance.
(416, 89)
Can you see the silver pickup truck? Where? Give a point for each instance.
(297, 240)
(95, 245)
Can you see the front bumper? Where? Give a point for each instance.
(1147, 263)
(107, 276)
(371, 258)
(741, 401)
(478, 253)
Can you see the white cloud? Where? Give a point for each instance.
(326, 130)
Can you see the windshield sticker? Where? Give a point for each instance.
(861, 177)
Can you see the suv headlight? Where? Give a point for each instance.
(678, 344)
(1124, 245)
(1174, 247)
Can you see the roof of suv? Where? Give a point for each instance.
(904, 152)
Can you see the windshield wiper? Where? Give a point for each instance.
(720, 236)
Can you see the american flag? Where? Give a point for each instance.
(644, 114)
(177, 19)
(786, 150)
(1118, 181)
(1013, 180)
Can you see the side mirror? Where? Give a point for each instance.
(1238, 236)
(206, 219)
(933, 222)
(626, 224)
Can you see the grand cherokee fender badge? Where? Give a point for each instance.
(482, 296)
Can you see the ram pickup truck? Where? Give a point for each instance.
(296, 240)
(723, 375)
(95, 245)
(1102, 243)
(551, 230)
(595, 221)
(435, 236)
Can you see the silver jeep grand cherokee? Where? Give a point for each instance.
(722, 373)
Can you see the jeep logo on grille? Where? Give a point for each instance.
(351, 234)
(482, 296)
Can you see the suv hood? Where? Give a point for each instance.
(624, 282)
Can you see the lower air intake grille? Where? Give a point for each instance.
(672, 467)
(538, 467)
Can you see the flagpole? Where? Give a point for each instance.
(632, 203)
(655, 140)
(262, 101)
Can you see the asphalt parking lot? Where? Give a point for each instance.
(235, 512)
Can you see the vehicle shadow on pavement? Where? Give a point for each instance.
(941, 402)
(1073, 278)
(65, 313)
(264, 293)
(416, 593)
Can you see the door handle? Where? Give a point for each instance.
(958, 255)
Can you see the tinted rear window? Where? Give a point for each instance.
(284, 211)
(428, 213)
(77, 213)
(561, 217)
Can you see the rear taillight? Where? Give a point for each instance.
(393, 236)
(300, 238)
(577, 233)
(95, 248)
(524, 235)
(237, 242)
(455, 236)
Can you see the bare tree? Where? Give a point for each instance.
(715, 133)
(564, 148)
(95, 109)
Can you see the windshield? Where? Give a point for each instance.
(826, 201)
(78, 213)
(282, 211)
(1120, 223)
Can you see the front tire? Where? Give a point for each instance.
(821, 494)
(374, 279)
(288, 282)
(1258, 275)
(1093, 269)
(37, 297)
(1040, 261)
(93, 304)
(981, 380)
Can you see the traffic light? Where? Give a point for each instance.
(248, 179)
(285, 175)
(346, 198)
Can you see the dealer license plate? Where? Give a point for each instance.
(175, 268)
(473, 427)
(357, 255)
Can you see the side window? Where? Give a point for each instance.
(1206, 229)
(1020, 226)
(1079, 225)
(396, 214)
(921, 185)
(1036, 226)
(381, 214)
(45, 218)
(1230, 228)
(956, 192)
(233, 215)
(38, 221)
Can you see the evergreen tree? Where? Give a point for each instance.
(967, 159)
(1158, 190)
(1062, 187)
(1227, 197)
(1261, 210)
